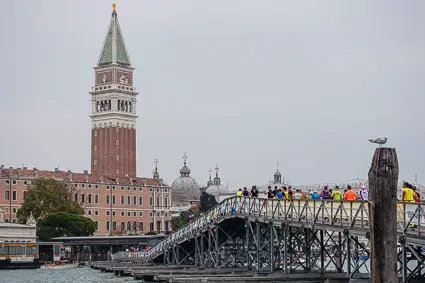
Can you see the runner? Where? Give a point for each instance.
(326, 194)
(336, 194)
(350, 194)
(364, 194)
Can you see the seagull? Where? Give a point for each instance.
(379, 141)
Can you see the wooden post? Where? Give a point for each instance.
(383, 178)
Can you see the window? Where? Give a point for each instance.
(14, 210)
(89, 186)
(97, 225)
(134, 213)
(76, 197)
(141, 226)
(14, 182)
(134, 189)
(6, 182)
(96, 198)
(128, 226)
(122, 213)
(83, 198)
(140, 201)
(151, 226)
(89, 198)
(166, 202)
(113, 199)
(6, 195)
(25, 193)
(134, 200)
(107, 213)
(128, 188)
(96, 213)
(141, 213)
(113, 187)
(122, 200)
(157, 201)
(150, 201)
(76, 185)
(89, 212)
(157, 190)
(165, 190)
(150, 214)
(150, 190)
(128, 213)
(158, 226)
(96, 186)
(128, 200)
(107, 199)
(114, 225)
(122, 188)
(25, 183)
(122, 226)
(107, 225)
(82, 185)
(107, 187)
(140, 189)
(113, 213)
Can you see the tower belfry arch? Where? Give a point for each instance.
(113, 98)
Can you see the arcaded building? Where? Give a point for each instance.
(112, 194)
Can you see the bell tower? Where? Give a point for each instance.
(113, 138)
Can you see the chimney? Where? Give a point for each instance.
(101, 178)
(19, 171)
(56, 170)
(69, 175)
(86, 175)
(35, 171)
(131, 181)
(118, 180)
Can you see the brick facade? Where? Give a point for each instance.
(114, 151)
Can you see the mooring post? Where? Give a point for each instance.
(383, 178)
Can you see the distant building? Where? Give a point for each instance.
(185, 190)
(214, 186)
(278, 181)
(112, 195)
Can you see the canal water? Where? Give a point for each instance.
(76, 275)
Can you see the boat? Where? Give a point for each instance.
(59, 265)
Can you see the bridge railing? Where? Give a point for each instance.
(346, 214)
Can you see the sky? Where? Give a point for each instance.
(243, 84)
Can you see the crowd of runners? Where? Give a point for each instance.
(290, 193)
(409, 193)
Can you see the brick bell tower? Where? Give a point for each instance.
(113, 146)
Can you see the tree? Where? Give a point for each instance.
(183, 218)
(46, 195)
(59, 224)
(208, 201)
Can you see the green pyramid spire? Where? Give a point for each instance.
(113, 49)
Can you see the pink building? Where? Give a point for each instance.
(117, 200)
(118, 205)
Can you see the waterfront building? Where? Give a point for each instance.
(185, 190)
(111, 194)
(13, 232)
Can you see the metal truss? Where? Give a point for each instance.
(291, 236)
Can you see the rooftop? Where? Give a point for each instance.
(85, 177)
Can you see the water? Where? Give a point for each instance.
(75, 275)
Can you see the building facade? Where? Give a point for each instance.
(13, 232)
(111, 194)
(118, 205)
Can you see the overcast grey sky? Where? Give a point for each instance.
(239, 83)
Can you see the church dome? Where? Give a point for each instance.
(185, 189)
(215, 187)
